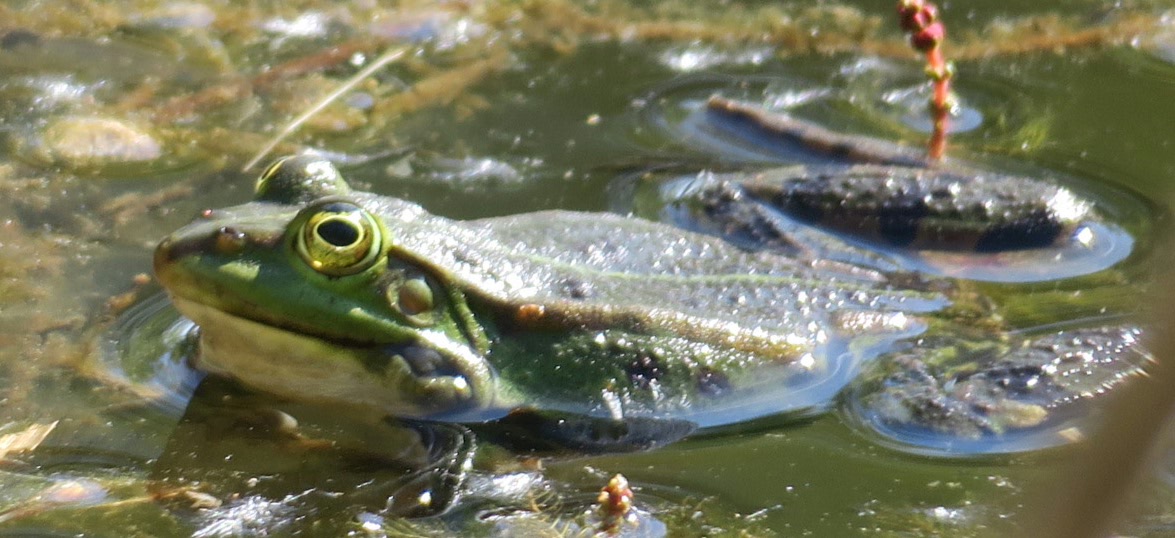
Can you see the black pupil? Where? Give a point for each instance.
(337, 232)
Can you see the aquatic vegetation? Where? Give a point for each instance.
(927, 33)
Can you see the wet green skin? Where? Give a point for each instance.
(317, 292)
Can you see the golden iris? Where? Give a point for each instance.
(339, 238)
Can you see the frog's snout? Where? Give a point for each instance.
(223, 241)
(166, 254)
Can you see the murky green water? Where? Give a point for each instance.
(120, 121)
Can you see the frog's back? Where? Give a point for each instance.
(579, 265)
(637, 317)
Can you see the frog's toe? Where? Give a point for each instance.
(455, 389)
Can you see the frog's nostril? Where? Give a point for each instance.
(163, 250)
(230, 240)
(164, 255)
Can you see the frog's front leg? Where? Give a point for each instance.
(431, 380)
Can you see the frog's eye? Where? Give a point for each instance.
(299, 179)
(266, 177)
(339, 238)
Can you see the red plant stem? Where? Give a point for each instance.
(920, 19)
(940, 107)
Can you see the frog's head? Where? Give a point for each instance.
(301, 293)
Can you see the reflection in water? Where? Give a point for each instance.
(252, 456)
(148, 348)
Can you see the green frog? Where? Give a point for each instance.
(318, 292)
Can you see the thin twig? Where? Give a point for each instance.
(387, 57)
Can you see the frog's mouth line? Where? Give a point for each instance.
(242, 345)
(198, 311)
(194, 308)
(192, 290)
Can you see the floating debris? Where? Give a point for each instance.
(25, 440)
(615, 506)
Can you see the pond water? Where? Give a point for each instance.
(120, 121)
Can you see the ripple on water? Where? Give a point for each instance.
(680, 112)
(877, 98)
(905, 398)
(1092, 247)
(677, 112)
(149, 348)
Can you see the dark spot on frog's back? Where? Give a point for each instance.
(464, 258)
(644, 371)
(575, 288)
(711, 382)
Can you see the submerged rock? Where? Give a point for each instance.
(85, 141)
